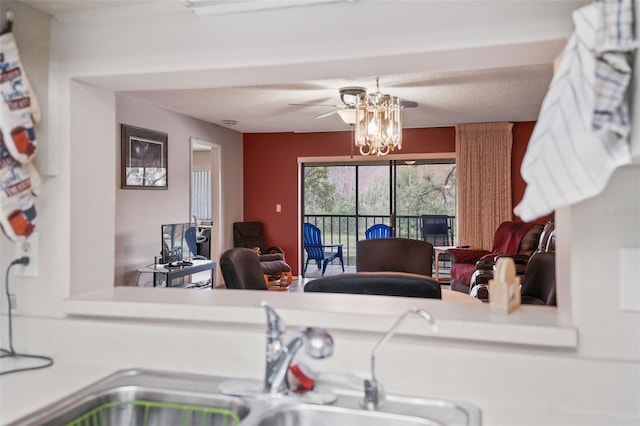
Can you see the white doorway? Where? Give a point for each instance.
(205, 172)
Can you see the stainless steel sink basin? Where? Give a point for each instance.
(395, 411)
(132, 405)
(151, 398)
(299, 415)
(144, 398)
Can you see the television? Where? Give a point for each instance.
(174, 242)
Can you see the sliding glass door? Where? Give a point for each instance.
(344, 199)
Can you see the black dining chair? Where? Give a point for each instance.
(394, 255)
(378, 283)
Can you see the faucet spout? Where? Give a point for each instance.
(371, 388)
(317, 342)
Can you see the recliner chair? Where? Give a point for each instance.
(251, 235)
(241, 269)
(539, 281)
(511, 238)
(486, 266)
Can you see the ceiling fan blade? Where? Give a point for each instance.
(408, 104)
(327, 114)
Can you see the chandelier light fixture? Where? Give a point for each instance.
(378, 123)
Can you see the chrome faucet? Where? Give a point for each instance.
(317, 342)
(372, 389)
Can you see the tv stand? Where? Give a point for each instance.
(181, 270)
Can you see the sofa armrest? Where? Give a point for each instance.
(270, 257)
(519, 259)
(462, 255)
(275, 249)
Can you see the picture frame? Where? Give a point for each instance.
(144, 160)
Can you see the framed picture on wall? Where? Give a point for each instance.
(144, 159)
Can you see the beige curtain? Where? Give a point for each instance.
(483, 184)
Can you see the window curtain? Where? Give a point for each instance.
(483, 181)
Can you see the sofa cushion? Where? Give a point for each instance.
(529, 242)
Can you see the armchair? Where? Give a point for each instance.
(539, 281)
(242, 269)
(486, 266)
(251, 235)
(513, 238)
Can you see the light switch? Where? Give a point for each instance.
(629, 273)
(278, 208)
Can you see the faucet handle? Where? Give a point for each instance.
(318, 342)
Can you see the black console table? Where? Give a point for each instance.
(173, 272)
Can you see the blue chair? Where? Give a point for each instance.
(379, 230)
(317, 251)
(190, 235)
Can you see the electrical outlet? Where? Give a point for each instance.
(278, 208)
(29, 248)
(13, 303)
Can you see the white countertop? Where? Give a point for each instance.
(22, 393)
(529, 325)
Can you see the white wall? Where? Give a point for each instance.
(140, 213)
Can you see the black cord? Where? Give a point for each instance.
(11, 352)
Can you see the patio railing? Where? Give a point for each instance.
(348, 229)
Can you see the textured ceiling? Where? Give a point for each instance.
(444, 99)
(512, 93)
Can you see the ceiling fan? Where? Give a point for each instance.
(349, 97)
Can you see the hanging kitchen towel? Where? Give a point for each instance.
(19, 107)
(582, 133)
(19, 183)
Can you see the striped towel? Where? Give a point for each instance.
(582, 133)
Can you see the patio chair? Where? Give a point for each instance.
(322, 254)
(379, 230)
(435, 229)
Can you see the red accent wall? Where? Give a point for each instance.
(521, 135)
(270, 162)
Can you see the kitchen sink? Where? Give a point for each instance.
(394, 411)
(328, 415)
(152, 398)
(144, 398)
